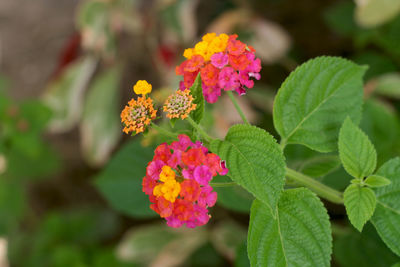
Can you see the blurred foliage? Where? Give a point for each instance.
(72, 238)
(359, 249)
(151, 36)
(25, 156)
(121, 181)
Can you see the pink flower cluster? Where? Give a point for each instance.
(177, 182)
(230, 69)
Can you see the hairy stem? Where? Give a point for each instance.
(164, 131)
(320, 189)
(199, 129)
(239, 110)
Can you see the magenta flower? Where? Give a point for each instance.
(188, 173)
(207, 197)
(240, 90)
(244, 79)
(200, 217)
(228, 79)
(202, 174)
(175, 159)
(183, 143)
(219, 60)
(211, 93)
(174, 222)
(153, 170)
(199, 144)
(224, 170)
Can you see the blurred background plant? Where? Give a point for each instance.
(70, 184)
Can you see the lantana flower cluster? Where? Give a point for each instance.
(177, 182)
(224, 63)
(138, 114)
(179, 105)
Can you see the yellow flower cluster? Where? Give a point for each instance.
(142, 87)
(170, 188)
(210, 44)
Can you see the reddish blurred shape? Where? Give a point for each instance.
(167, 54)
(69, 53)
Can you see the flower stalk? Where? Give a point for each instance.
(239, 110)
(164, 131)
(199, 129)
(320, 189)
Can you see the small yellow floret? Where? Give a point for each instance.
(201, 49)
(157, 190)
(167, 174)
(209, 37)
(188, 53)
(218, 44)
(170, 189)
(142, 87)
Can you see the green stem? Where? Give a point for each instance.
(223, 184)
(319, 188)
(239, 110)
(199, 129)
(163, 131)
(282, 144)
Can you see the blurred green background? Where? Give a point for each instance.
(70, 182)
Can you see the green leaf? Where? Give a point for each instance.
(314, 100)
(160, 245)
(364, 249)
(389, 85)
(65, 95)
(121, 181)
(356, 151)
(197, 92)
(233, 197)
(360, 204)
(299, 236)
(386, 218)
(172, 122)
(356, 181)
(100, 126)
(377, 181)
(254, 160)
(320, 165)
(371, 13)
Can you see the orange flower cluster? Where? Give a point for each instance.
(179, 105)
(137, 115)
